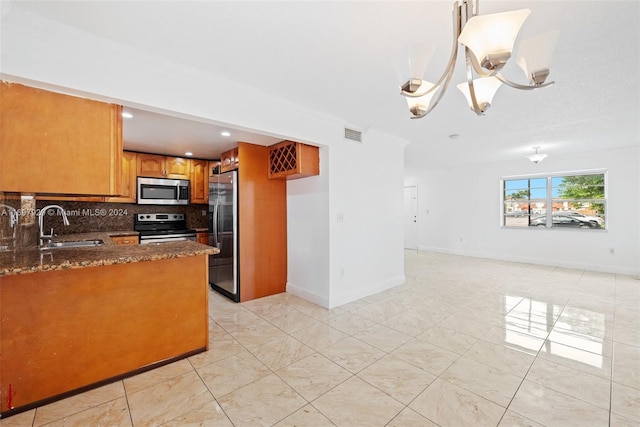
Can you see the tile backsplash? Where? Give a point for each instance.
(87, 217)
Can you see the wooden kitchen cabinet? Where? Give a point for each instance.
(292, 160)
(214, 167)
(63, 331)
(125, 240)
(202, 237)
(150, 165)
(177, 167)
(95, 199)
(58, 144)
(229, 160)
(129, 184)
(156, 166)
(199, 181)
(262, 223)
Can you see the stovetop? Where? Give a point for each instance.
(161, 224)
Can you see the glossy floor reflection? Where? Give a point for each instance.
(465, 342)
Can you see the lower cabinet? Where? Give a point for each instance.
(202, 237)
(66, 330)
(125, 240)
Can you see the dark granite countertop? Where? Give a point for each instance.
(34, 260)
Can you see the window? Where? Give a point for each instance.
(568, 200)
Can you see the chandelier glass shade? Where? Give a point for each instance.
(418, 105)
(537, 157)
(485, 88)
(488, 42)
(491, 37)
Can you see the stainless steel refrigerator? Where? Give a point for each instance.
(223, 234)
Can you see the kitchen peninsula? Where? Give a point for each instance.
(76, 318)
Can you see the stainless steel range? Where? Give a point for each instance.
(162, 228)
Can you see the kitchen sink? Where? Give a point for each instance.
(73, 244)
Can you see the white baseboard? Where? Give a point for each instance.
(306, 295)
(361, 292)
(346, 297)
(600, 268)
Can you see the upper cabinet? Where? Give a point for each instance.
(151, 165)
(214, 167)
(129, 165)
(291, 160)
(199, 181)
(58, 144)
(178, 168)
(229, 160)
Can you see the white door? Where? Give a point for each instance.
(411, 217)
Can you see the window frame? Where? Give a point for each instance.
(549, 199)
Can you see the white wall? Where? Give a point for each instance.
(308, 274)
(459, 213)
(366, 217)
(48, 55)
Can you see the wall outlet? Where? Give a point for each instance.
(341, 272)
(612, 251)
(204, 212)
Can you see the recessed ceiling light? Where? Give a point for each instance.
(225, 133)
(127, 115)
(454, 136)
(188, 153)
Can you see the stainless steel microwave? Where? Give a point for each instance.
(163, 191)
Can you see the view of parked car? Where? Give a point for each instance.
(581, 215)
(564, 221)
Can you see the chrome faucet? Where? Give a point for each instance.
(13, 218)
(49, 237)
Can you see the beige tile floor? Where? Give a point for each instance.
(465, 342)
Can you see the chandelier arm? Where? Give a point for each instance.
(457, 28)
(471, 64)
(514, 85)
(472, 92)
(443, 89)
(478, 68)
(448, 73)
(419, 94)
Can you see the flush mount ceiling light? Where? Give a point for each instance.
(537, 157)
(488, 42)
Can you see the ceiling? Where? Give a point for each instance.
(348, 59)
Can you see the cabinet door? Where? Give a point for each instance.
(58, 144)
(203, 237)
(229, 160)
(151, 165)
(214, 167)
(199, 181)
(125, 240)
(177, 167)
(129, 167)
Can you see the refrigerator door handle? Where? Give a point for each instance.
(216, 243)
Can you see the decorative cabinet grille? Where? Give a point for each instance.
(291, 160)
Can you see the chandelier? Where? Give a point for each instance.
(488, 42)
(537, 157)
